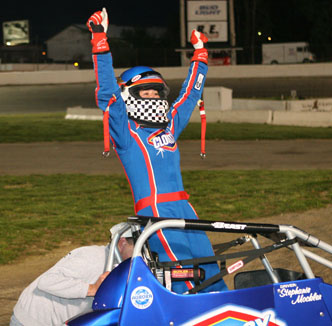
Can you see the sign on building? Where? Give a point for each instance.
(15, 32)
(209, 17)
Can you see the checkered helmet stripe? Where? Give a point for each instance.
(149, 110)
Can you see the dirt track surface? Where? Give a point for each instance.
(15, 277)
(46, 158)
(79, 157)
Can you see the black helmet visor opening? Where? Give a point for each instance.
(162, 89)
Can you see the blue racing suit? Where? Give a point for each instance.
(151, 161)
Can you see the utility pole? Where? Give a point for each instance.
(232, 31)
(253, 32)
(182, 31)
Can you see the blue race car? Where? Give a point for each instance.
(138, 290)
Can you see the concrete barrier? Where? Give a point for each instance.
(282, 118)
(46, 77)
(266, 71)
(218, 98)
(312, 105)
(247, 104)
(220, 107)
(323, 104)
(36, 66)
(247, 116)
(170, 73)
(305, 119)
(211, 115)
(214, 114)
(79, 113)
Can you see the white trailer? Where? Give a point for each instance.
(297, 52)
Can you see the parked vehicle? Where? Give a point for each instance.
(137, 291)
(298, 52)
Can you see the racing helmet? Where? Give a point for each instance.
(148, 112)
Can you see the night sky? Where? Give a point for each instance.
(284, 20)
(50, 17)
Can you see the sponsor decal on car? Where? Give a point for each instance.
(298, 294)
(232, 315)
(141, 297)
(228, 226)
(234, 267)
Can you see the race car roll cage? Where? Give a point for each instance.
(283, 236)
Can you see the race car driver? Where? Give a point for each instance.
(143, 129)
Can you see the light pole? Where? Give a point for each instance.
(182, 31)
(232, 31)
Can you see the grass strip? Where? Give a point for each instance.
(37, 212)
(45, 127)
(53, 127)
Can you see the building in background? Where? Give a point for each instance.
(69, 45)
(73, 43)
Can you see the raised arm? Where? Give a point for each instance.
(107, 93)
(102, 60)
(192, 87)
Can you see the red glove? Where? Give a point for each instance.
(98, 24)
(197, 40)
